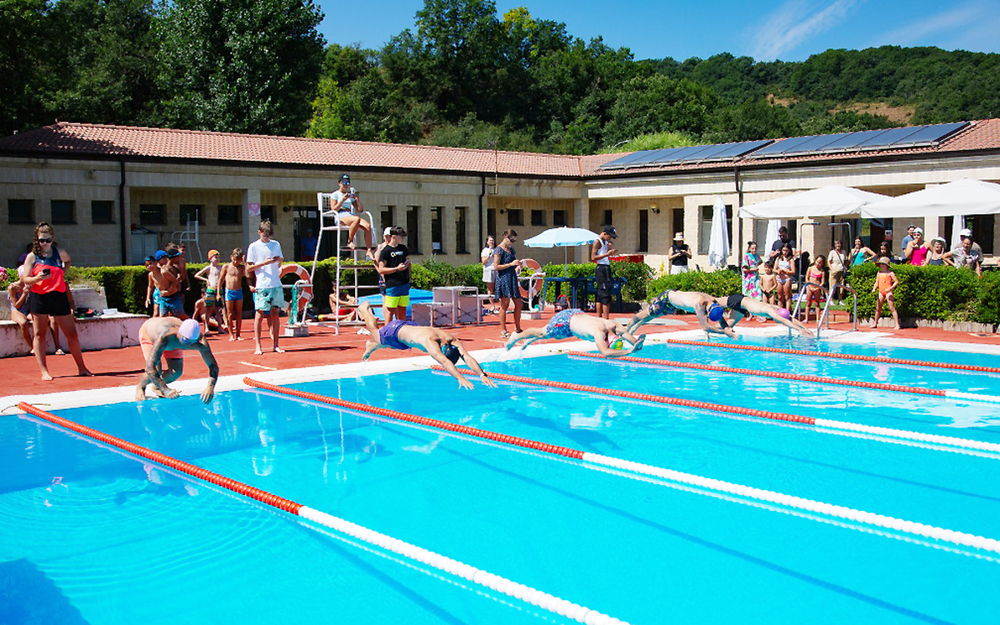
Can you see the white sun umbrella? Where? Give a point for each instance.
(563, 237)
(956, 228)
(826, 201)
(773, 225)
(718, 247)
(962, 197)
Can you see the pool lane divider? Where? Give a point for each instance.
(805, 352)
(747, 492)
(499, 584)
(847, 426)
(898, 388)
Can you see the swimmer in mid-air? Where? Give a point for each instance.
(741, 307)
(440, 345)
(670, 302)
(573, 322)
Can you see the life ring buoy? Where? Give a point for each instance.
(303, 283)
(536, 284)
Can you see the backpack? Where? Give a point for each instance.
(561, 303)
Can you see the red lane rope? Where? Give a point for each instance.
(768, 374)
(402, 416)
(802, 352)
(659, 399)
(178, 465)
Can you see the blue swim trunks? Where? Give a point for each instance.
(234, 295)
(661, 305)
(388, 334)
(171, 304)
(558, 326)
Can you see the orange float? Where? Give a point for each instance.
(535, 284)
(305, 290)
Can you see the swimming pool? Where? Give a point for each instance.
(122, 541)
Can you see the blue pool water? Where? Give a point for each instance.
(119, 541)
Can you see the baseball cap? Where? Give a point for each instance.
(916, 230)
(174, 253)
(189, 331)
(611, 230)
(715, 312)
(387, 231)
(345, 179)
(965, 233)
(159, 255)
(148, 259)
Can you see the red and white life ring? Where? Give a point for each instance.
(303, 282)
(536, 284)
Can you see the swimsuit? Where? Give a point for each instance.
(388, 334)
(735, 303)
(787, 266)
(147, 346)
(661, 305)
(884, 282)
(170, 304)
(234, 295)
(935, 261)
(558, 326)
(211, 296)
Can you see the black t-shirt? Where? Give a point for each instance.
(682, 260)
(777, 245)
(394, 257)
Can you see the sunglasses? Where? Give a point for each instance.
(45, 240)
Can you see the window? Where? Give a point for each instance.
(63, 212)
(437, 229)
(267, 212)
(537, 218)
(608, 218)
(558, 218)
(153, 214)
(190, 212)
(461, 241)
(643, 230)
(388, 219)
(20, 211)
(102, 212)
(515, 217)
(412, 232)
(705, 235)
(229, 214)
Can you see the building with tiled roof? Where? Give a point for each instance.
(115, 193)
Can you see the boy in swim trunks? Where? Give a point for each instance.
(670, 302)
(573, 322)
(167, 282)
(768, 283)
(210, 275)
(231, 285)
(166, 338)
(440, 345)
(741, 307)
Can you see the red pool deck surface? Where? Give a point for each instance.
(122, 367)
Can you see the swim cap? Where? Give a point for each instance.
(174, 253)
(149, 259)
(189, 331)
(212, 253)
(159, 255)
(715, 312)
(783, 313)
(617, 343)
(451, 352)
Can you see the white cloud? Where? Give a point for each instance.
(795, 22)
(964, 26)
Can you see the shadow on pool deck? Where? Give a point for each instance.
(121, 367)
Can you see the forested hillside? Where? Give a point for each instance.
(461, 76)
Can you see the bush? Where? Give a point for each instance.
(929, 292)
(988, 304)
(714, 283)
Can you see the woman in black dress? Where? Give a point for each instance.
(505, 270)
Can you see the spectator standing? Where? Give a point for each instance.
(506, 267)
(231, 292)
(937, 255)
(782, 241)
(916, 250)
(751, 271)
(885, 283)
(601, 253)
(910, 230)
(486, 257)
(968, 254)
(394, 267)
(837, 261)
(680, 252)
(785, 270)
(264, 264)
(815, 283)
(307, 245)
(860, 254)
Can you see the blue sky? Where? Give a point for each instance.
(789, 30)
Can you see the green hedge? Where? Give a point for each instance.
(714, 283)
(939, 293)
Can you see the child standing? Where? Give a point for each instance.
(19, 306)
(210, 275)
(768, 283)
(885, 283)
(231, 283)
(264, 262)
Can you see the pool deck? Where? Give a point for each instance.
(119, 369)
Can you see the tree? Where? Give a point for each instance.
(240, 65)
(657, 104)
(24, 65)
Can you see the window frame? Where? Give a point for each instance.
(28, 204)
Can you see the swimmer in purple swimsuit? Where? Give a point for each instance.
(440, 345)
(575, 323)
(703, 305)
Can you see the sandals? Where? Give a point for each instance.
(504, 334)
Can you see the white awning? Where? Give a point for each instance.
(962, 197)
(822, 202)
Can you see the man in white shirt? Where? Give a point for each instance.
(968, 254)
(264, 263)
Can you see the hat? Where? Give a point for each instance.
(344, 178)
(174, 253)
(918, 231)
(451, 352)
(611, 230)
(159, 255)
(679, 236)
(387, 231)
(883, 261)
(941, 239)
(149, 259)
(189, 331)
(715, 312)
(965, 233)
(212, 253)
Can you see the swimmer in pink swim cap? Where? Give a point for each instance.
(741, 306)
(166, 338)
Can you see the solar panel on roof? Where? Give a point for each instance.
(681, 154)
(732, 150)
(780, 148)
(853, 140)
(888, 137)
(930, 134)
(626, 160)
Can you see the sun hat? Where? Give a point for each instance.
(189, 331)
(941, 239)
(212, 253)
(679, 236)
(965, 233)
(715, 312)
(883, 261)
